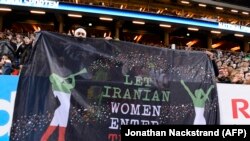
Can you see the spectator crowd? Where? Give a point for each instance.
(14, 50)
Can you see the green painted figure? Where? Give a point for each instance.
(199, 99)
(61, 88)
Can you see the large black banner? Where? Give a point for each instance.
(85, 89)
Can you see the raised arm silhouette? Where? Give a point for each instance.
(199, 99)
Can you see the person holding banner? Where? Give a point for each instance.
(212, 58)
(61, 88)
(80, 32)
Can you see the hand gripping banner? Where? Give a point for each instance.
(84, 89)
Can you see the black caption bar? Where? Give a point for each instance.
(222, 132)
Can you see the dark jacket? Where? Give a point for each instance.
(7, 69)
